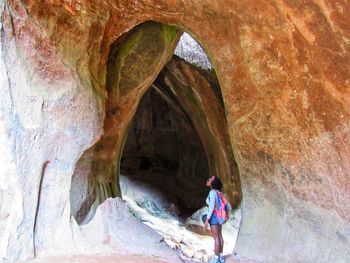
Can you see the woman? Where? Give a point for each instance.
(216, 229)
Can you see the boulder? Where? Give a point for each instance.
(114, 225)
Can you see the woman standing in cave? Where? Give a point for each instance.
(213, 201)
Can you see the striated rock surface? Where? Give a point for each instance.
(283, 69)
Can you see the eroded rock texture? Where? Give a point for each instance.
(283, 68)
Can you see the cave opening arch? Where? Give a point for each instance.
(139, 61)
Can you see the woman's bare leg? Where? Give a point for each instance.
(221, 239)
(215, 230)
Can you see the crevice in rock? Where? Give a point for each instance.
(38, 202)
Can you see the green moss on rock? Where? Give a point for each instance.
(169, 33)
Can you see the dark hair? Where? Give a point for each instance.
(216, 183)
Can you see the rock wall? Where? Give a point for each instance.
(284, 76)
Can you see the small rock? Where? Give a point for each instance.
(198, 255)
(186, 251)
(205, 258)
(176, 239)
(171, 243)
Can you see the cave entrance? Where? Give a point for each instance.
(165, 132)
(177, 138)
(163, 167)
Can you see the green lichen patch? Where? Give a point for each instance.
(169, 33)
(133, 61)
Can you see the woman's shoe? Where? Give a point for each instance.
(215, 259)
(221, 259)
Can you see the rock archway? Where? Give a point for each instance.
(283, 73)
(187, 135)
(135, 62)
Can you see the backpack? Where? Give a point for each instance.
(222, 208)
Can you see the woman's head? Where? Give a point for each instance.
(215, 183)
